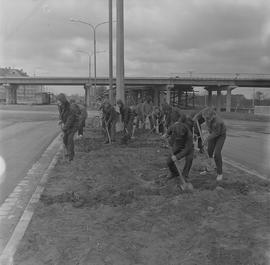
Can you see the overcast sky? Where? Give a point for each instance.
(161, 36)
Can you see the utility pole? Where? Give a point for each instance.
(120, 70)
(111, 52)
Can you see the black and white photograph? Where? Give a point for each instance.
(134, 132)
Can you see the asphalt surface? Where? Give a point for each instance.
(24, 136)
(248, 143)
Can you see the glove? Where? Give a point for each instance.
(174, 158)
(164, 136)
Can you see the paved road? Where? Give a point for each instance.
(24, 135)
(248, 143)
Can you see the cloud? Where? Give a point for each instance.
(161, 37)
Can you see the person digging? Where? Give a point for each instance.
(181, 142)
(214, 141)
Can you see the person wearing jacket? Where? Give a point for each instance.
(127, 117)
(215, 139)
(70, 120)
(147, 109)
(139, 113)
(172, 114)
(181, 142)
(158, 119)
(82, 112)
(110, 117)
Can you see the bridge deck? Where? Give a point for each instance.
(222, 82)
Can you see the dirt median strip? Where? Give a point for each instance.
(6, 257)
(114, 205)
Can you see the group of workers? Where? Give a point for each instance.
(180, 131)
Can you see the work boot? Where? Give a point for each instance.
(204, 172)
(219, 177)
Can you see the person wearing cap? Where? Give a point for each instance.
(70, 121)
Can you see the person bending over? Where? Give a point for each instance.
(110, 120)
(127, 117)
(181, 142)
(70, 122)
(215, 139)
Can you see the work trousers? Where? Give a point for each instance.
(187, 166)
(214, 147)
(81, 126)
(112, 130)
(128, 127)
(68, 140)
(150, 121)
(139, 120)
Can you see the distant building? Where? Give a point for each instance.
(26, 94)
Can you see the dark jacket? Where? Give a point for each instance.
(216, 128)
(181, 139)
(158, 115)
(172, 115)
(110, 114)
(127, 114)
(147, 108)
(69, 117)
(84, 114)
(189, 122)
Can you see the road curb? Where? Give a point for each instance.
(6, 257)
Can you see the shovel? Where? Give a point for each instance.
(201, 135)
(184, 185)
(107, 131)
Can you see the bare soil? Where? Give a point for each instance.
(114, 205)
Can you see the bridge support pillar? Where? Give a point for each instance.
(111, 96)
(228, 99)
(168, 94)
(156, 96)
(11, 94)
(218, 100)
(209, 102)
(87, 89)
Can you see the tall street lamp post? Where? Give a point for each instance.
(120, 61)
(94, 28)
(111, 52)
(89, 71)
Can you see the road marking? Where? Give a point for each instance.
(6, 257)
(245, 169)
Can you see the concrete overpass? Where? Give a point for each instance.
(211, 83)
